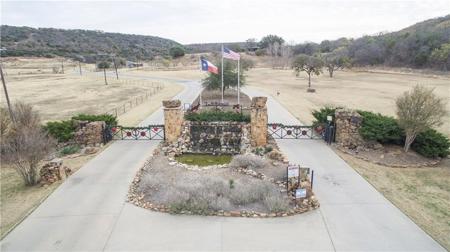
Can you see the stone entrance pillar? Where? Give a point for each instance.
(258, 121)
(348, 123)
(173, 120)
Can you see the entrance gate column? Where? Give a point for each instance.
(258, 121)
(173, 120)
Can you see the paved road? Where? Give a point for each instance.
(88, 211)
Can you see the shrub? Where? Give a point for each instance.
(380, 128)
(176, 52)
(320, 116)
(418, 110)
(27, 144)
(71, 149)
(432, 144)
(107, 118)
(260, 52)
(62, 131)
(215, 116)
(275, 203)
(248, 162)
(202, 193)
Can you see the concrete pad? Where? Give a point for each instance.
(67, 233)
(305, 232)
(141, 229)
(375, 227)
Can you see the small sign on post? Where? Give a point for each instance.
(300, 193)
(293, 171)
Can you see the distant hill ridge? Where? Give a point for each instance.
(88, 44)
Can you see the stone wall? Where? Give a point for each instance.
(173, 120)
(259, 119)
(214, 137)
(89, 133)
(348, 123)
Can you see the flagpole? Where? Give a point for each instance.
(222, 73)
(239, 87)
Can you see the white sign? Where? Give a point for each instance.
(293, 171)
(300, 193)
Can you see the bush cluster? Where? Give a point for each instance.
(431, 143)
(206, 193)
(216, 116)
(107, 118)
(64, 131)
(320, 116)
(380, 128)
(248, 162)
(385, 129)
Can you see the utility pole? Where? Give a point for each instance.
(7, 96)
(79, 66)
(115, 67)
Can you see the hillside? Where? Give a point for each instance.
(213, 47)
(48, 42)
(422, 45)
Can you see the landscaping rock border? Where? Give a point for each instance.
(302, 206)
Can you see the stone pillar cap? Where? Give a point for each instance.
(259, 102)
(171, 103)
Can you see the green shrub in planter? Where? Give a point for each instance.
(63, 131)
(217, 116)
(320, 115)
(380, 128)
(71, 149)
(432, 144)
(107, 118)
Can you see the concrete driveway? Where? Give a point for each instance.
(88, 212)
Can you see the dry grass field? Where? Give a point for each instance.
(373, 91)
(60, 96)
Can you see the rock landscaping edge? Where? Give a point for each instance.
(304, 205)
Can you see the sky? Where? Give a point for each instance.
(205, 21)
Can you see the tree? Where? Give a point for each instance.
(440, 57)
(419, 110)
(336, 60)
(270, 40)
(308, 64)
(26, 144)
(250, 43)
(176, 52)
(214, 81)
(104, 65)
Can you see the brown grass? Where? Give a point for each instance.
(421, 193)
(360, 90)
(60, 96)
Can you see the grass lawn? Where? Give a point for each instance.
(421, 193)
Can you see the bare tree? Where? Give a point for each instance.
(418, 110)
(26, 144)
(286, 55)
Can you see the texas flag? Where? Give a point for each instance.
(208, 66)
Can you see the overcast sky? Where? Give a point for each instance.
(201, 21)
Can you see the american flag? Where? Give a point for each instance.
(228, 54)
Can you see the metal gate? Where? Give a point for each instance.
(151, 132)
(281, 131)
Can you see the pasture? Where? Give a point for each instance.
(373, 91)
